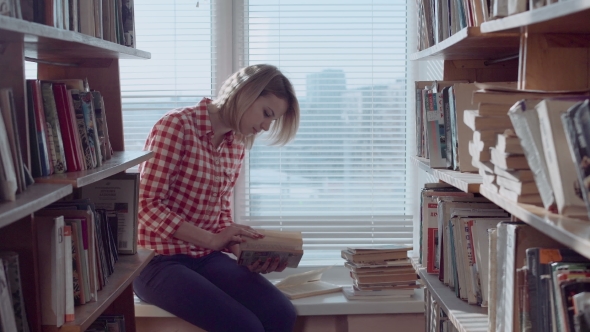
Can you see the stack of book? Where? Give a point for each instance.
(380, 271)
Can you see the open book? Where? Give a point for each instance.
(288, 246)
(306, 284)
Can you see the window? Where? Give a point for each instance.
(343, 181)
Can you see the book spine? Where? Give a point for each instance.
(57, 147)
(526, 124)
(82, 130)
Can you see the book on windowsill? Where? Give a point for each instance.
(354, 293)
(306, 284)
(286, 245)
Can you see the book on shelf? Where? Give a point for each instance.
(285, 245)
(68, 274)
(446, 207)
(462, 100)
(7, 318)
(513, 240)
(485, 138)
(11, 265)
(508, 161)
(429, 222)
(576, 122)
(524, 175)
(538, 261)
(50, 244)
(519, 187)
(40, 159)
(477, 122)
(8, 175)
(534, 199)
(69, 128)
(492, 109)
(526, 126)
(119, 194)
(562, 170)
(508, 142)
(306, 284)
(8, 109)
(56, 145)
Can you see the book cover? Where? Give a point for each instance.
(462, 93)
(8, 180)
(56, 145)
(13, 277)
(52, 267)
(562, 171)
(68, 275)
(538, 261)
(120, 194)
(8, 109)
(89, 156)
(287, 246)
(38, 125)
(67, 126)
(576, 124)
(7, 322)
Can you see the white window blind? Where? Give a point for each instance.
(178, 36)
(342, 182)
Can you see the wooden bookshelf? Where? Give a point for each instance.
(572, 16)
(63, 54)
(468, 182)
(119, 162)
(465, 317)
(32, 199)
(47, 43)
(574, 233)
(470, 43)
(119, 288)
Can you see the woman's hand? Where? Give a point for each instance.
(270, 265)
(233, 234)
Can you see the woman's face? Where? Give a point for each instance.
(261, 114)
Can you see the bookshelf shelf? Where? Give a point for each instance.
(32, 199)
(561, 17)
(465, 317)
(119, 162)
(574, 233)
(470, 43)
(47, 43)
(126, 269)
(468, 182)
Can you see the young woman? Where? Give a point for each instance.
(185, 210)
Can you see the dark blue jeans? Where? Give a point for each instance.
(215, 294)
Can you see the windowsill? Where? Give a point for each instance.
(328, 304)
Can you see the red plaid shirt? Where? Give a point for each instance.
(188, 180)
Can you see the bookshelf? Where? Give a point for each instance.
(465, 317)
(553, 54)
(468, 182)
(62, 54)
(470, 43)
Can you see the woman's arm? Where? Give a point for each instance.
(229, 237)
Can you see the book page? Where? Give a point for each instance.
(301, 278)
(310, 289)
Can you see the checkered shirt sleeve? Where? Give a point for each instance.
(187, 180)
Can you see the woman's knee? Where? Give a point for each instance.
(282, 318)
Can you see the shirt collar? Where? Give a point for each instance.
(204, 126)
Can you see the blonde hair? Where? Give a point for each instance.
(243, 87)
